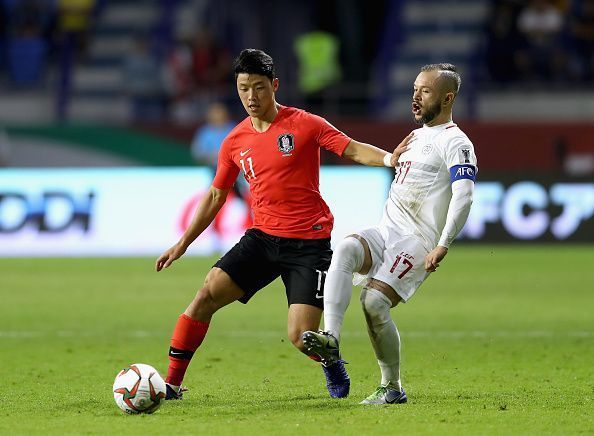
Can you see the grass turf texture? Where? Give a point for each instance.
(498, 341)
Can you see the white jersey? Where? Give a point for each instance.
(420, 193)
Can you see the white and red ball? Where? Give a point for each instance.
(139, 389)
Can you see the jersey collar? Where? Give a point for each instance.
(440, 127)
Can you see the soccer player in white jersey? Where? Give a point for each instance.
(427, 206)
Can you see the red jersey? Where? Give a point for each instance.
(282, 167)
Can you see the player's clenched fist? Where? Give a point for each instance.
(434, 257)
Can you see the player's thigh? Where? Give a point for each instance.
(304, 264)
(374, 246)
(248, 264)
(403, 265)
(367, 253)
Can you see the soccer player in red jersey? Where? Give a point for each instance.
(278, 149)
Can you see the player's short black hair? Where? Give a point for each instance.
(448, 72)
(254, 61)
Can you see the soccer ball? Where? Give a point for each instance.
(139, 389)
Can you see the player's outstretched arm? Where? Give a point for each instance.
(370, 155)
(204, 215)
(458, 210)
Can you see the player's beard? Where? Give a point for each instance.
(431, 112)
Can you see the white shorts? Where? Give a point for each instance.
(396, 260)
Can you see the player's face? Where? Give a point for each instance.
(426, 101)
(256, 93)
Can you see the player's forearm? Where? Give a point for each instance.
(206, 212)
(458, 210)
(365, 154)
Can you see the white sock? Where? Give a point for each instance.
(348, 257)
(337, 296)
(383, 334)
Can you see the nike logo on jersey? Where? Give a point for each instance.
(319, 297)
(243, 153)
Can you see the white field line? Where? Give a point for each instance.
(24, 334)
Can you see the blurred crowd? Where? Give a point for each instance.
(180, 82)
(541, 42)
(176, 75)
(32, 32)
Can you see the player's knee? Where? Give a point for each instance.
(376, 306)
(203, 305)
(210, 281)
(348, 255)
(203, 297)
(205, 302)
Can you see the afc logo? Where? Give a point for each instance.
(463, 172)
(458, 172)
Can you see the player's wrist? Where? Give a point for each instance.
(183, 244)
(388, 160)
(443, 244)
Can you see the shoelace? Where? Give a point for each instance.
(378, 393)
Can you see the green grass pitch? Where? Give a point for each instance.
(499, 341)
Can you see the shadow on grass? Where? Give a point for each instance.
(257, 405)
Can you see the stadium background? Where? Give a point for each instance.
(99, 101)
(108, 84)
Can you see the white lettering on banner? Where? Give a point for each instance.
(577, 200)
(516, 221)
(525, 209)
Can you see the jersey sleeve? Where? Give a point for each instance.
(329, 137)
(227, 171)
(461, 159)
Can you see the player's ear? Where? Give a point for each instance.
(449, 99)
(275, 84)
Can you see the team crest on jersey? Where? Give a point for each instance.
(286, 143)
(464, 155)
(427, 149)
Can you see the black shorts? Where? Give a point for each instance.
(259, 258)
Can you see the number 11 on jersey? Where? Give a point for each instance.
(402, 170)
(251, 174)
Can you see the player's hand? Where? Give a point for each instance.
(434, 257)
(169, 256)
(401, 148)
